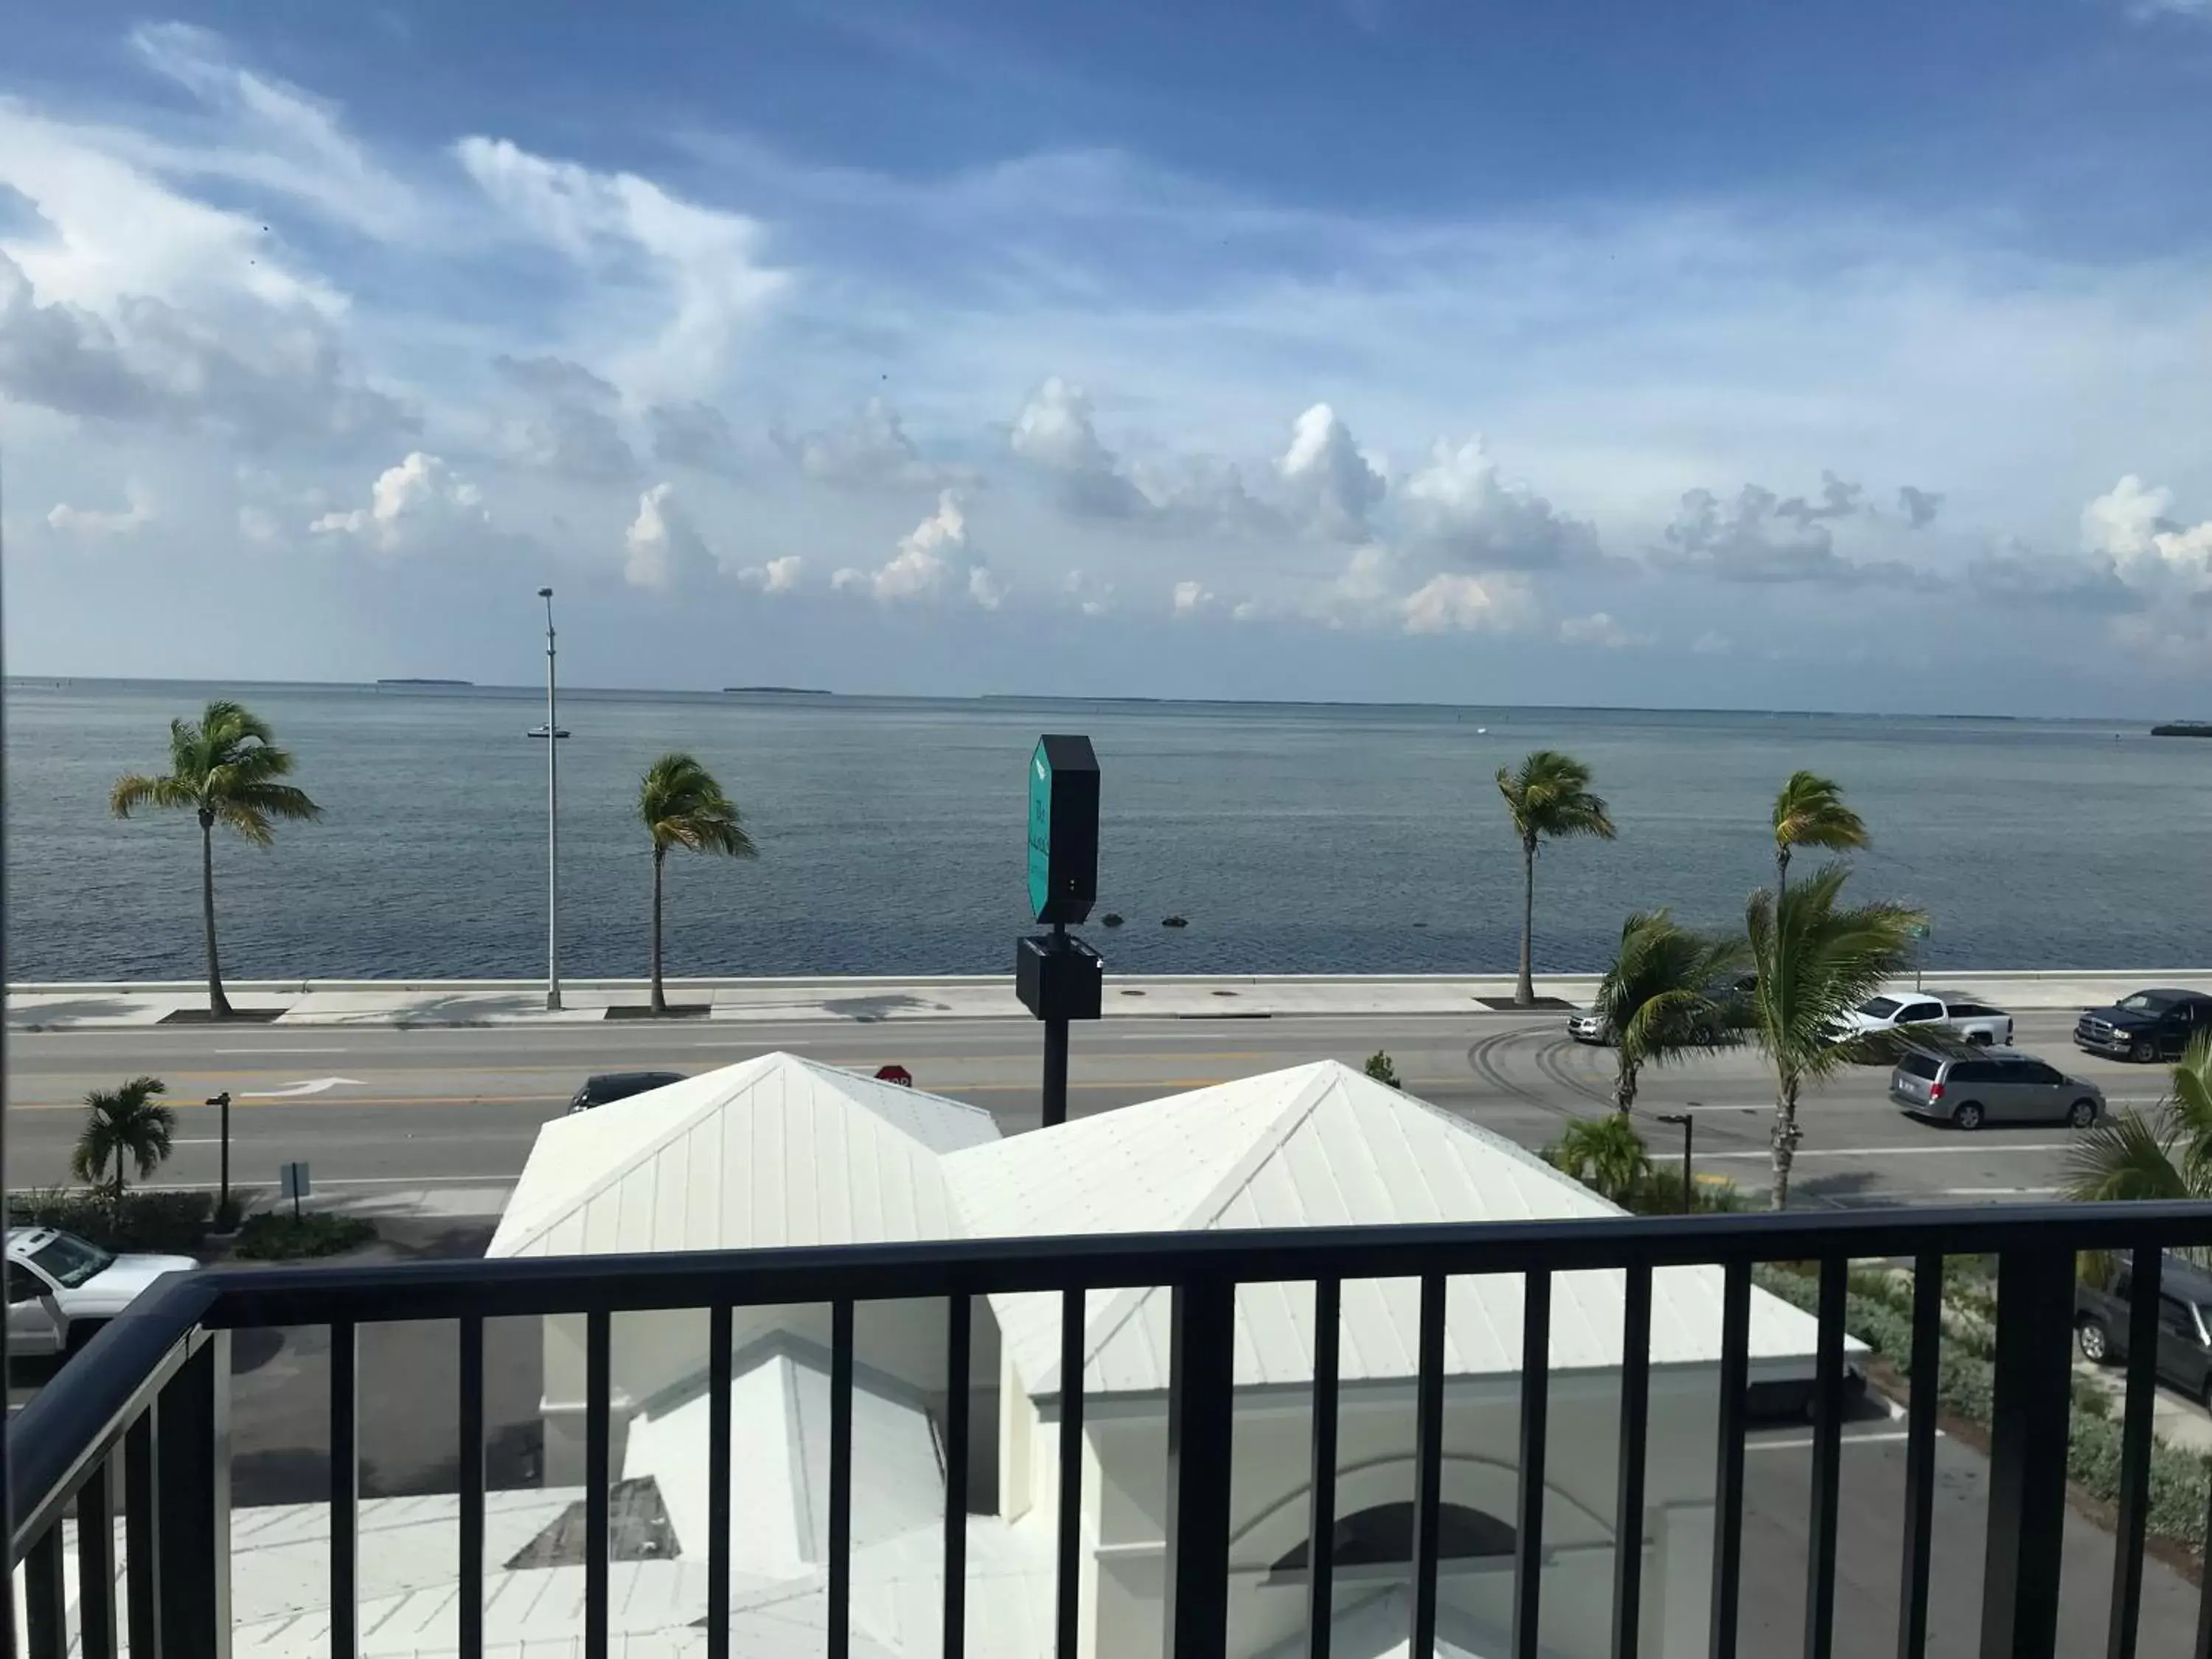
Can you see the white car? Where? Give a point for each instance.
(62, 1288)
(1962, 1016)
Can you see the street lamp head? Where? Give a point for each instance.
(545, 592)
(1677, 1118)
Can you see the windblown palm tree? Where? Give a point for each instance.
(1549, 798)
(682, 805)
(1814, 959)
(125, 1125)
(1666, 993)
(225, 768)
(1810, 812)
(2165, 1152)
(1605, 1154)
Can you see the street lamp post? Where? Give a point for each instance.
(552, 818)
(1689, 1129)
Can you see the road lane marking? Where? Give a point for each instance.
(312, 1085)
(281, 1051)
(1998, 1192)
(1998, 1148)
(1798, 1442)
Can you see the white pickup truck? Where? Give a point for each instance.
(62, 1288)
(1963, 1017)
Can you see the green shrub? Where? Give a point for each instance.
(280, 1236)
(1380, 1068)
(165, 1223)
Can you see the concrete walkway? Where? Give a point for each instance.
(91, 1005)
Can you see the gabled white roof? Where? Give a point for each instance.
(1313, 1146)
(773, 1151)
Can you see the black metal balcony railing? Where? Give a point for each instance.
(145, 1409)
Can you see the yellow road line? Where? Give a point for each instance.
(326, 1101)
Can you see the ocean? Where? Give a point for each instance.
(1295, 838)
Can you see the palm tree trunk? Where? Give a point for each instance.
(1524, 993)
(1624, 1089)
(1781, 870)
(218, 1004)
(1786, 1136)
(660, 999)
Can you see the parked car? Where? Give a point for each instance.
(1965, 1017)
(2001, 1086)
(603, 1088)
(2184, 1345)
(2148, 1025)
(62, 1289)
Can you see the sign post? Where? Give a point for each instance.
(1919, 931)
(1058, 978)
(291, 1182)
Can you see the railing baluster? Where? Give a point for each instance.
(46, 1597)
(193, 1494)
(1428, 1463)
(598, 1453)
(2135, 1452)
(96, 1561)
(1727, 1474)
(471, 1436)
(1202, 1416)
(2202, 1647)
(1828, 1460)
(959, 1313)
(1321, 1508)
(1920, 1454)
(841, 1479)
(1535, 1416)
(142, 1536)
(2028, 1453)
(1067, 1577)
(345, 1489)
(1635, 1417)
(720, 1337)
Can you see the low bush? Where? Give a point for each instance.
(164, 1223)
(280, 1236)
(1380, 1068)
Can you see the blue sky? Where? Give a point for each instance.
(1736, 354)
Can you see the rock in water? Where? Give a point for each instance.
(1176, 920)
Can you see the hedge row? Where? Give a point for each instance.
(2180, 1482)
(163, 1223)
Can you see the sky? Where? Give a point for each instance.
(1727, 355)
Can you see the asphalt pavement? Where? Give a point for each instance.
(387, 1112)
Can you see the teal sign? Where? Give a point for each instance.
(1918, 930)
(1063, 845)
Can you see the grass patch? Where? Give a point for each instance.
(280, 1236)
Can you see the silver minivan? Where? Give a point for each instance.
(1996, 1086)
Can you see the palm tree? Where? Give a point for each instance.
(1810, 812)
(2164, 1153)
(123, 1125)
(682, 805)
(224, 768)
(1605, 1154)
(1549, 798)
(1814, 959)
(1666, 993)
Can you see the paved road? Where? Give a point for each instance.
(460, 1107)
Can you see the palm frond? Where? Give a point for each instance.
(1810, 812)
(225, 764)
(134, 790)
(2131, 1157)
(1550, 798)
(681, 805)
(1816, 960)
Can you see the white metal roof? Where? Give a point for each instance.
(775, 1150)
(1312, 1147)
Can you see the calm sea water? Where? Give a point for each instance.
(891, 835)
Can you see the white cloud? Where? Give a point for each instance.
(1919, 506)
(1092, 597)
(1454, 602)
(1055, 433)
(705, 265)
(985, 588)
(258, 524)
(1461, 510)
(2129, 525)
(662, 550)
(1599, 629)
(1710, 644)
(870, 450)
(93, 522)
(931, 557)
(573, 431)
(1336, 484)
(1191, 597)
(419, 501)
(776, 576)
(694, 434)
(1761, 538)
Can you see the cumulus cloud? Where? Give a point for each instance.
(1055, 433)
(1838, 500)
(1761, 538)
(1919, 506)
(1599, 629)
(1455, 602)
(1380, 587)
(417, 502)
(572, 432)
(1335, 483)
(869, 450)
(258, 524)
(694, 434)
(1460, 509)
(1191, 597)
(931, 558)
(93, 522)
(2012, 574)
(1092, 597)
(2131, 525)
(776, 576)
(662, 550)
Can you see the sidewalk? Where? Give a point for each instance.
(431, 1003)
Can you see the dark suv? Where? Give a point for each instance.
(2184, 1349)
(604, 1088)
(2148, 1025)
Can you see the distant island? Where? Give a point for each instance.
(413, 681)
(781, 690)
(2184, 729)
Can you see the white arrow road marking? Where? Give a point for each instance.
(314, 1086)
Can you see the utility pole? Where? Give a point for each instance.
(552, 817)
